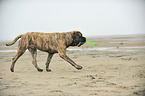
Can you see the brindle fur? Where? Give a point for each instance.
(48, 42)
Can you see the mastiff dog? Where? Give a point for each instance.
(48, 42)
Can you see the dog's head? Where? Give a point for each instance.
(78, 39)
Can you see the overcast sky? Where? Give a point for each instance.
(91, 17)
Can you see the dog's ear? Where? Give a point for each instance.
(77, 33)
(75, 36)
(78, 39)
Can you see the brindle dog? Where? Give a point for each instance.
(48, 42)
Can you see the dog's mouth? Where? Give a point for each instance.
(82, 41)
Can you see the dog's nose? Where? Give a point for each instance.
(84, 39)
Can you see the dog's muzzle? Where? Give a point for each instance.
(82, 41)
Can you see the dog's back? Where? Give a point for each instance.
(42, 41)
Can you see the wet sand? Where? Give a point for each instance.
(119, 71)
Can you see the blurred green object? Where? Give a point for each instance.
(91, 43)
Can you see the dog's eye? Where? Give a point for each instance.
(80, 36)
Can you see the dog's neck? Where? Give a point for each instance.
(68, 38)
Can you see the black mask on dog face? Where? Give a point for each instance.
(78, 39)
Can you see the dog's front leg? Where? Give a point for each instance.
(62, 54)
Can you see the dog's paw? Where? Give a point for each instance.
(48, 70)
(40, 70)
(12, 70)
(79, 67)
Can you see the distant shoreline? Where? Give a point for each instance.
(96, 36)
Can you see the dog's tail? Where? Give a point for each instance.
(9, 44)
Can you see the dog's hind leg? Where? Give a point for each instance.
(20, 52)
(34, 62)
(48, 62)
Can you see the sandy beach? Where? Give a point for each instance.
(115, 67)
